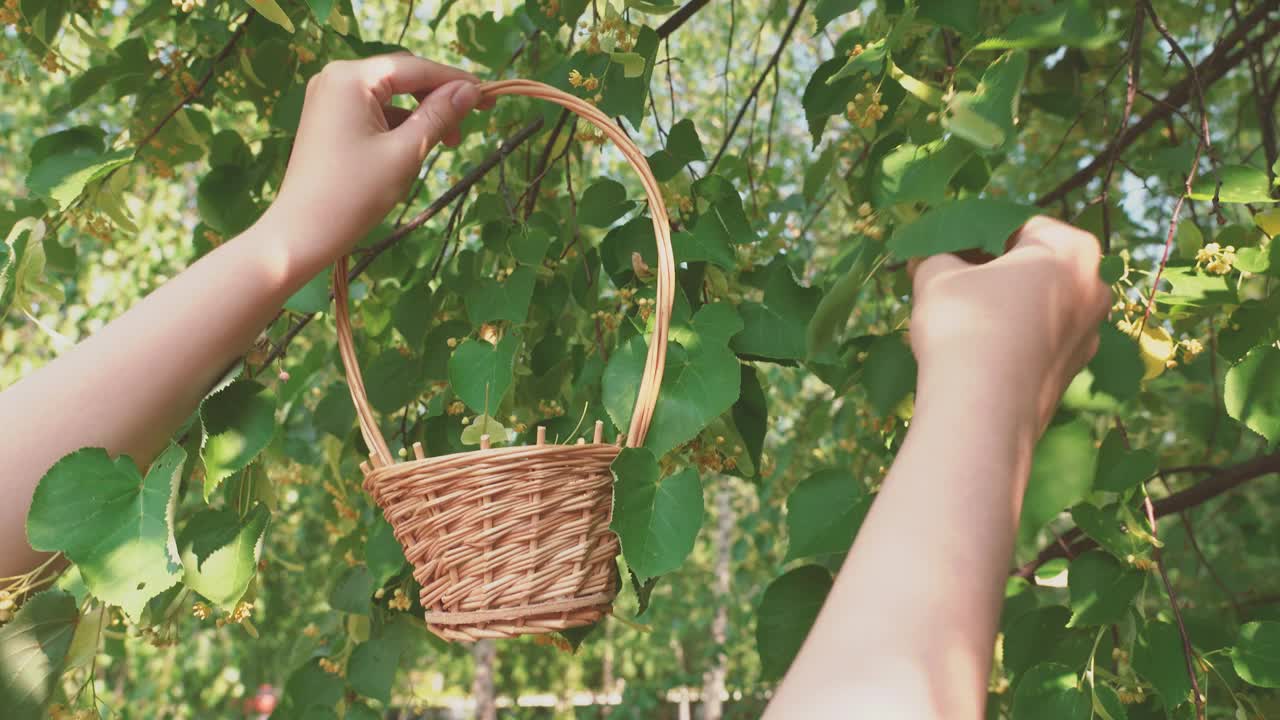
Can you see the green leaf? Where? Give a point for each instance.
(62, 177)
(962, 15)
(481, 373)
(1050, 691)
(272, 11)
(33, 651)
(223, 574)
(985, 117)
(313, 297)
(225, 201)
(1101, 589)
(1121, 469)
(603, 202)
(113, 523)
(1069, 23)
(824, 513)
(529, 244)
(751, 414)
(1191, 288)
(870, 60)
(829, 320)
(723, 219)
(1106, 526)
(699, 385)
(656, 519)
(321, 9)
(776, 329)
(481, 426)
(683, 147)
(1251, 392)
(1041, 635)
(383, 553)
(815, 176)
(372, 667)
(787, 611)
(889, 373)
(393, 379)
(353, 591)
(1117, 366)
(1256, 655)
(828, 10)
(627, 95)
(1233, 184)
(632, 63)
(1158, 658)
(490, 300)
(911, 173)
(311, 687)
(238, 422)
(980, 223)
(1253, 324)
(1061, 476)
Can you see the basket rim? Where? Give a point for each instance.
(655, 360)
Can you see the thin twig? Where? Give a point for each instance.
(1221, 60)
(755, 89)
(196, 91)
(1187, 651)
(1131, 90)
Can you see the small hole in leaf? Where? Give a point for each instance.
(141, 585)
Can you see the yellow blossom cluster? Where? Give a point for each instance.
(400, 601)
(866, 109)
(188, 5)
(92, 224)
(304, 53)
(588, 83)
(614, 28)
(1215, 259)
(550, 408)
(330, 666)
(11, 14)
(866, 224)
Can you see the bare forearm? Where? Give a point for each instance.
(910, 622)
(128, 387)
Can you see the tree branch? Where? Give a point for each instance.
(204, 81)
(1219, 62)
(1221, 480)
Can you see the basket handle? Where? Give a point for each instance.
(655, 363)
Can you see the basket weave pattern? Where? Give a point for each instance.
(513, 541)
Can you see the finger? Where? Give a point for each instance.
(453, 138)
(923, 270)
(403, 73)
(395, 115)
(438, 115)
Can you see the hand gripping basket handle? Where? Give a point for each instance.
(655, 363)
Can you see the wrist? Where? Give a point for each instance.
(999, 395)
(300, 242)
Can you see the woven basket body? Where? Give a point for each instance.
(513, 541)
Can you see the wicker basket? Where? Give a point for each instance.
(513, 541)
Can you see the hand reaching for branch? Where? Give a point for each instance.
(908, 628)
(1028, 320)
(130, 386)
(356, 154)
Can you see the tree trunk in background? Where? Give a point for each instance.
(482, 683)
(713, 679)
(606, 669)
(677, 651)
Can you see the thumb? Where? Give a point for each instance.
(437, 115)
